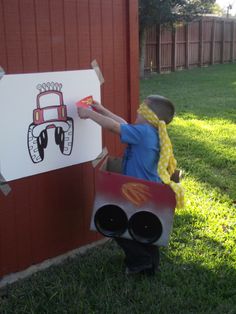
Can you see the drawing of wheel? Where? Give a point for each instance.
(59, 136)
(65, 139)
(69, 136)
(43, 138)
(40, 147)
(34, 148)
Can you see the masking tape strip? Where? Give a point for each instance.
(96, 68)
(100, 157)
(2, 72)
(4, 186)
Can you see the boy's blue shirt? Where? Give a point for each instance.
(143, 151)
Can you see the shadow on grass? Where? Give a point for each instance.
(201, 269)
(206, 162)
(202, 105)
(188, 230)
(95, 283)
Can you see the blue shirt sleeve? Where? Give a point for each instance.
(131, 133)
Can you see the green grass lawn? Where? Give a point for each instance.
(198, 268)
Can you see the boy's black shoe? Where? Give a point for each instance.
(148, 270)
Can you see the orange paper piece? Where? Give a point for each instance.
(85, 102)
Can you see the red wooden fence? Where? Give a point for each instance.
(203, 42)
(49, 214)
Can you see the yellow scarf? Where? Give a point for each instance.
(167, 163)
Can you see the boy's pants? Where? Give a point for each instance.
(139, 254)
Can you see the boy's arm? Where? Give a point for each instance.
(104, 121)
(105, 112)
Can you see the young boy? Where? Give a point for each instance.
(140, 160)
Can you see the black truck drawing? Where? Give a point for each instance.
(47, 117)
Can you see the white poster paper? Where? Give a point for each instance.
(40, 127)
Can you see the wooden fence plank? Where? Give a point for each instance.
(232, 41)
(28, 35)
(223, 42)
(3, 50)
(201, 42)
(8, 236)
(108, 68)
(84, 34)
(159, 40)
(43, 35)
(23, 224)
(120, 62)
(57, 34)
(187, 46)
(173, 50)
(213, 42)
(13, 38)
(208, 41)
(133, 60)
(71, 35)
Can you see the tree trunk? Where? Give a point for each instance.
(142, 51)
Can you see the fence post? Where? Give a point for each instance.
(213, 41)
(201, 42)
(223, 42)
(232, 43)
(217, 44)
(187, 46)
(133, 59)
(173, 52)
(158, 48)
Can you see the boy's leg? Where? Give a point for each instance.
(139, 257)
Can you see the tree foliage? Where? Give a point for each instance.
(167, 12)
(217, 10)
(170, 11)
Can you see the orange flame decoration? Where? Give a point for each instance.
(136, 193)
(85, 102)
(88, 100)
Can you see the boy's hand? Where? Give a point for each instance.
(97, 106)
(83, 112)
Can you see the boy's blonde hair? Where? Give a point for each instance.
(162, 107)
